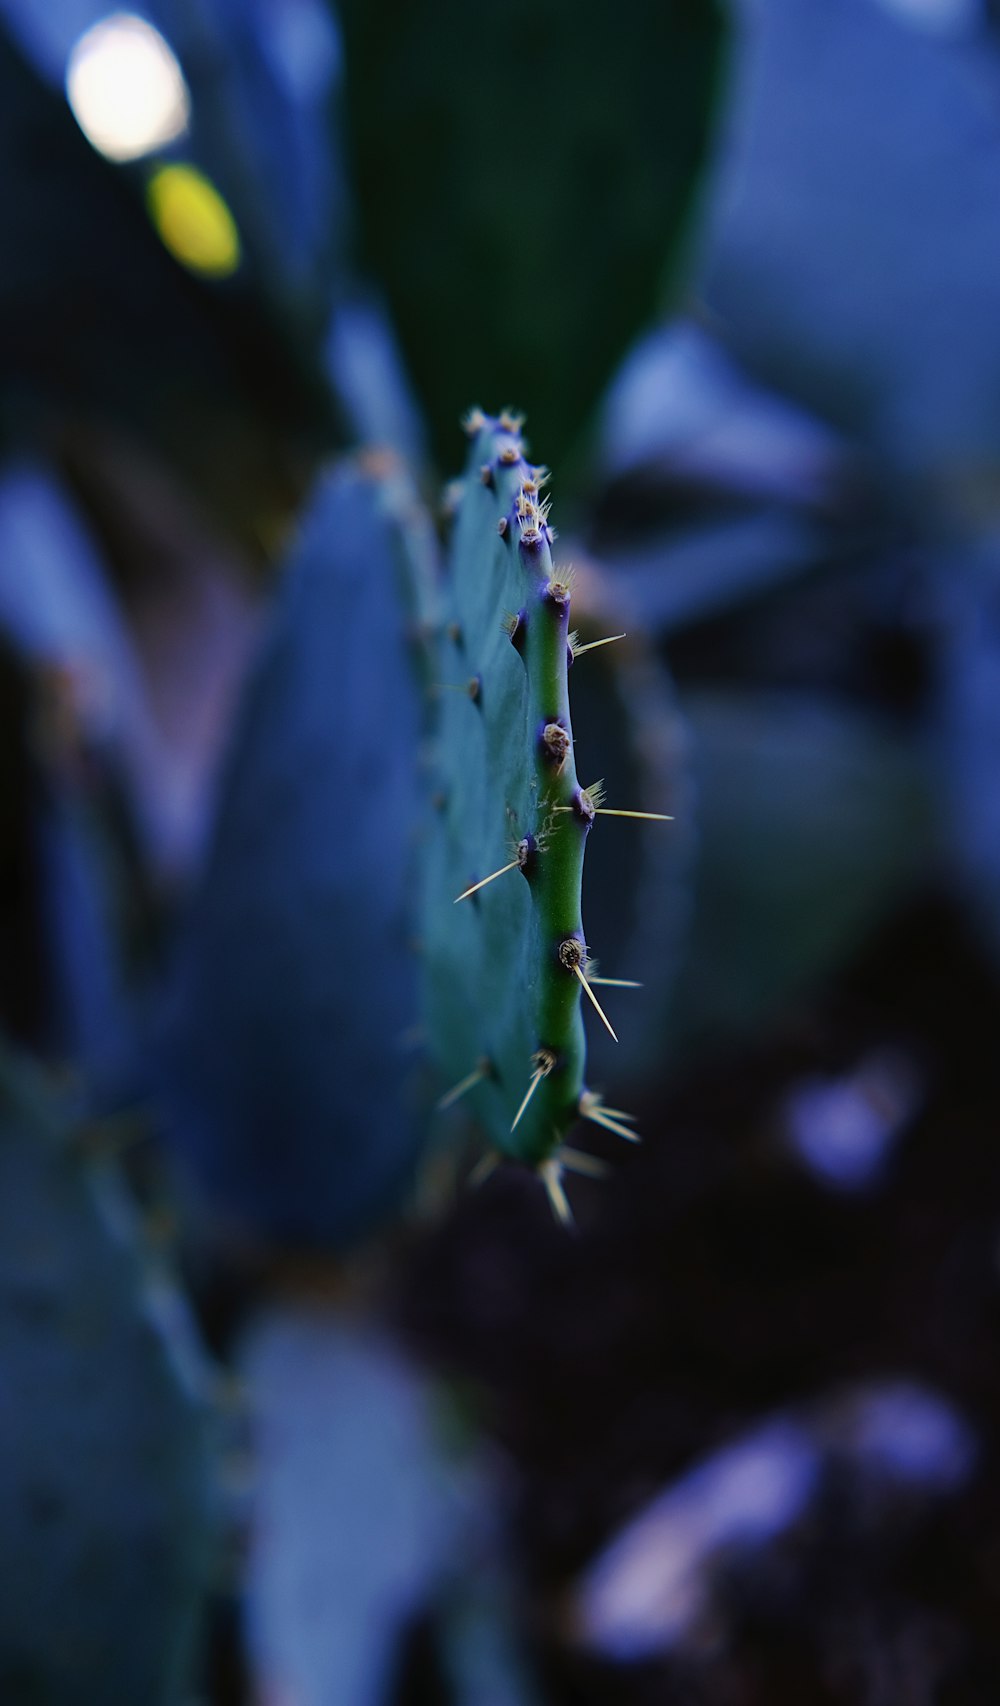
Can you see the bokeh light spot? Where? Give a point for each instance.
(193, 221)
(126, 89)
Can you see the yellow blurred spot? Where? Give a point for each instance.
(193, 221)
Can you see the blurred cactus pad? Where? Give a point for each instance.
(285, 1065)
(107, 1499)
(525, 179)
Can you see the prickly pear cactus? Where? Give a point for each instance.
(107, 1507)
(286, 1070)
(628, 723)
(506, 955)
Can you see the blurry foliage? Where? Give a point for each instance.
(22, 899)
(96, 318)
(524, 190)
(346, 1422)
(969, 750)
(107, 1498)
(830, 811)
(85, 909)
(852, 256)
(851, 264)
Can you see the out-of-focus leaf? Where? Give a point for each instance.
(875, 1449)
(179, 613)
(969, 589)
(91, 1017)
(854, 250)
(262, 78)
(681, 406)
(61, 613)
(718, 491)
(286, 1059)
(364, 362)
(55, 602)
(83, 723)
(523, 184)
(106, 1505)
(364, 1523)
(112, 790)
(23, 972)
(812, 821)
(702, 572)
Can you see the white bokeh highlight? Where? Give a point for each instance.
(126, 88)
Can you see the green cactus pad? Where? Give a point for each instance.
(503, 994)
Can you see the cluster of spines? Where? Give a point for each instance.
(551, 856)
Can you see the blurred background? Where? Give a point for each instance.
(289, 1414)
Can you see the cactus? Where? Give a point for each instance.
(289, 1098)
(618, 133)
(506, 954)
(284, 1065)
(107, 1509)
(627, 720)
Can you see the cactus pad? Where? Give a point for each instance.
(108, 1504)
(285, 1079)
(505, 947)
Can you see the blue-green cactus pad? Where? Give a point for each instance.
(286, 1057)
(498, 996)
(106, 1504)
